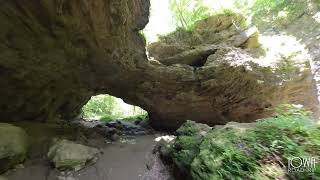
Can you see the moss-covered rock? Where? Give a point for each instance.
(191, 128)
(67, 155)
(247, 151)
(221, 157)
(13, 146)
(186, 146)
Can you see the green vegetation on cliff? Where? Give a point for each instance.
(270, 13)
(187, 12)
(247, 151)
(262, 13)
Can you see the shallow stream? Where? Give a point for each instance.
(125, 159)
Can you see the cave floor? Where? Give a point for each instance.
(125, 159)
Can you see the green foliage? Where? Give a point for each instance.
(292, 109)
(263, 13)
(226, 12)
(258, 152)
(187, 12)
(186, 149)
(107, 108)
(99, 106)
(191, 128)
(143, 34)
(270, 13)
(107, 118)
(222, 157)
(180, 35)
(140, 117)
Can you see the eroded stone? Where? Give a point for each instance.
(13, 146)
(68, 155)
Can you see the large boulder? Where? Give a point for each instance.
(13, 146)
(244, 151)
(68, 155)
(230, 29)
(222, 29)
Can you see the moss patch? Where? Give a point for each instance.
(261, 151)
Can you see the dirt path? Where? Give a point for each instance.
(123, 160)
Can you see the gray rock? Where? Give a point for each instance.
(65, 178)
(68, 155)
(57, 175)
(124, 127)
(139, 133)
(248, 38)
(13, 146)
(157, 170)
(115, 137)
(3, 178)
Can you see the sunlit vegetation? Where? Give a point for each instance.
(283, 52)
(263, 13)
(187, 12)
(108, 108)
(184, 13)
(257, 152)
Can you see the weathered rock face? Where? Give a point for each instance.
(309, 36)
(228, 30)
(55, 55)
(226, 40)
(13, 146)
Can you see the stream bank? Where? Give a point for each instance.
(129, 156)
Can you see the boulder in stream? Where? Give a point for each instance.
(68, 155)
(13, 146)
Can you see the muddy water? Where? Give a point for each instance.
(125, 159)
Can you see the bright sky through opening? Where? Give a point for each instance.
(161, 21)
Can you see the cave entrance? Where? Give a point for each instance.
(105, 107)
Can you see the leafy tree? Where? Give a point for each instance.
(187, 12)
(271, 13)
(100, 106)
(107, 108)
(262, 12)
